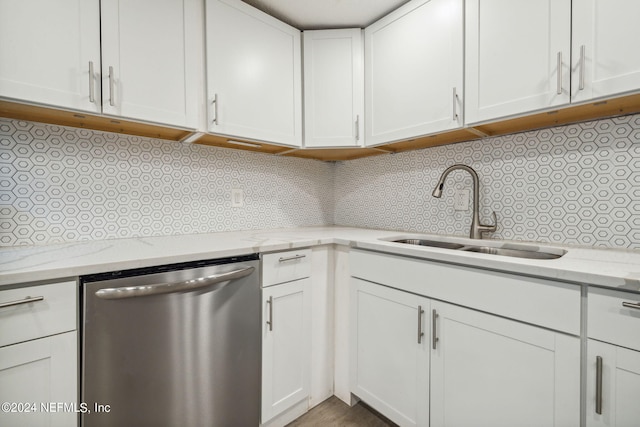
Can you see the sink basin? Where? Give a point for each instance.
(432, 243)
(517, 253)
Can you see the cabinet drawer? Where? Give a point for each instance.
(553, 305)
(53, 312)
(286, 266)
(612, 322)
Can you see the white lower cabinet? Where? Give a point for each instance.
(613, 385)
(39, 377)
(421, 361)
(613, 359)
(286, 346)
(39, 356)
(390, 351)
(491, 371)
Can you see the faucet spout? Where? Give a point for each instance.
(476, 227)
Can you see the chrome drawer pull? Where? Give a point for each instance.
(559, 91)
(635, 305)
(27, 300)
(434, 331)
(420, 333)
(291, 258)
(91, 95)
(599, 385)
(270, 321)
(581, 82)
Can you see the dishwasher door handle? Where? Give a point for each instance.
(165, 288)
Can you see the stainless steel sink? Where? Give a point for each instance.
(432, 243)
(517, 253)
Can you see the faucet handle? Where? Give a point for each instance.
(490, 228)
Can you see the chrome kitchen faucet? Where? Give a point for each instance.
(476, 227)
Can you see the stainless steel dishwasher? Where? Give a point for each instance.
(176, 345)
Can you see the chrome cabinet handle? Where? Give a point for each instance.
(221, 280)
(559, 91)
(434, 320)
(270, 321)
(598, 385)
(420, 332)
(635, 305)
(291, 258)
(455, 101)
(215, 109)
(582, 59)
(358, 128)
(112, 101)
(27, 300)
(91, 83)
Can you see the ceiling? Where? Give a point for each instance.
(325, 14)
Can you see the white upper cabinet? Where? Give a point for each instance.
(517, 57)
(333, 88)
(151, 59)
(605, 57)
(413, 71)
(253, 74)
(46, 48)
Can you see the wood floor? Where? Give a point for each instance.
(334, 412)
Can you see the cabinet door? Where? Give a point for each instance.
(47, 48)
(41, 371)
(413, 71)
(490, 371)
(286, 346)
(389, 339)
(254, 68)
(619, 385)
(517, 56)
(150, 54)
(333, 88)
(604, 63)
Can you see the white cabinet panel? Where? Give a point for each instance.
(54, 312)
(286, 346)
(281, 267)
(490, 371)
(605, 57)
(46, 47)
(517, 57)
(254, 75)
(40, 371)
(413, 67)
(333, 88)
(620, 386)
(389, 358)
(150, 55)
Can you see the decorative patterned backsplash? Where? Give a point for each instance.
(576, 184)
(61, 184)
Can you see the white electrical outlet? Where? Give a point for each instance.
(237, 198)
(461, 200)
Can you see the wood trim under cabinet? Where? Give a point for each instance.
(593, 110)
(36, 113)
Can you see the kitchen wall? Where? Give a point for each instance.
(577, 184)
(61, 184)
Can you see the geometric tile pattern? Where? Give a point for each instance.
(576, 184)
(60, 184)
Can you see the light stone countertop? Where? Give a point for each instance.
(609, 268)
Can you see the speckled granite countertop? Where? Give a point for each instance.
(610, 268)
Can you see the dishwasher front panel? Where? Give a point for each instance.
(185, 358)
